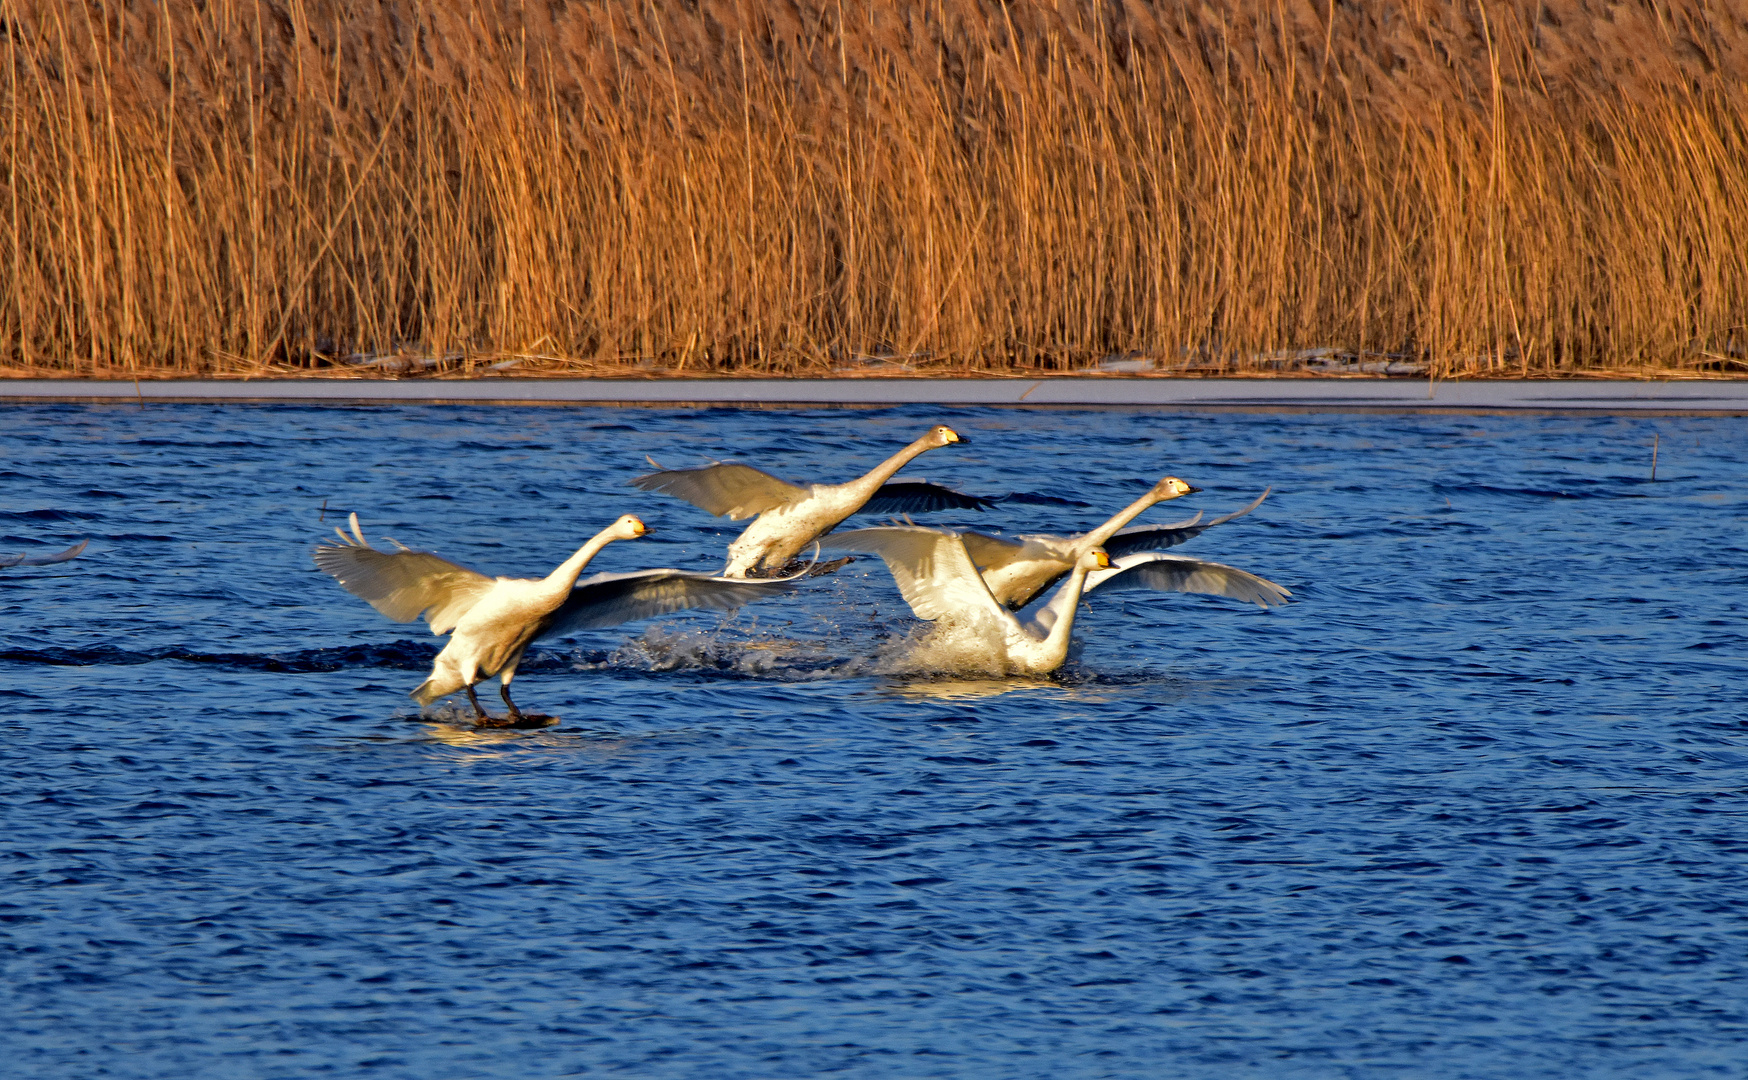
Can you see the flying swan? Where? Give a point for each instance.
(1018, 570)
(935, 574)
(492, 621)
(43, 560)
(791, 516)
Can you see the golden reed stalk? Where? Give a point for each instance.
(265, 185)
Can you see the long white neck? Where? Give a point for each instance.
(561, 580)
(1066, 602)
(1098, 536)
(866, 486)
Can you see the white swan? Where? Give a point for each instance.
(492, 621)
(937, 579)
(43, 560)
(790, 516)
(1018, 570)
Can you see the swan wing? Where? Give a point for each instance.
(1157, 537)
(726, 490)
(1174, 573)
(43, 560)
(611, 599)
(403, 584)
(1164, 573)
(989, 552)
(920, 497)
(931, 567)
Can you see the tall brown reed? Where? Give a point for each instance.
(776, 187)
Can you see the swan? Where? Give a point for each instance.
(935, 573)
(491, 621)
(791, 516)
(1020, 569)
(43, 560)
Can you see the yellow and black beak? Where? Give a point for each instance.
(954, 436)
(1191, 489)
(1104, 560)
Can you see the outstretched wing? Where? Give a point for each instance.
(930, 566)
(1174, 573)
(43, 560)
(919, 497)
(1158, 537)
(1167, 573)
(989, 551)
(403, 584)
(734, 491)
(611, 599)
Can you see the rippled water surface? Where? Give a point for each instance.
(1472, 807)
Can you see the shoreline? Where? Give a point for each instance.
(1639, 396)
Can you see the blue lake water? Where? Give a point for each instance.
(1473, 806)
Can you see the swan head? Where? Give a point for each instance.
(941, 435)
(1171, 487)
(1095, 559)
(627, 527)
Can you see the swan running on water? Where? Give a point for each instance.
(492, 621)
(789, 516)
(43, 560)
(935, 573)
(1019, 570)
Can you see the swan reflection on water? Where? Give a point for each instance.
(965, 689)
(1078, 688)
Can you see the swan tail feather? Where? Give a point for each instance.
(438, 685)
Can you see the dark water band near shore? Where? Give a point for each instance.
(1642, 397)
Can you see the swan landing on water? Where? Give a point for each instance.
(935, 574)
(789, 516)
(492, 621)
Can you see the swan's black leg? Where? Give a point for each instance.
(484, 717)
(515, 713)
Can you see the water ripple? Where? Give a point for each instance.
(1475, 800)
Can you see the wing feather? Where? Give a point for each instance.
(404, 584)
(988, 551)
(726, 490)
(1165, 573)
(1157, 537)
(611, 599)
(920, 497)
(931, 567)
(1174, 573)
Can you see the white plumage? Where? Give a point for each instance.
(788, 517)
(492, 621)
(935, 574)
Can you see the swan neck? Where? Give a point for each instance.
(883, 471)
(568, 571)
(1056, 641)
(1129, 513)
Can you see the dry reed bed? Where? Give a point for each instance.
(1487, 187)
